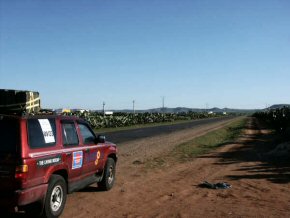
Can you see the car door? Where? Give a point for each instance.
(72, 150)
(93, 151)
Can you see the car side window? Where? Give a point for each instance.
(69, 134)
(87, 135)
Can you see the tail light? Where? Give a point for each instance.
(21, 171)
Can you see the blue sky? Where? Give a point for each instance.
(78, 54)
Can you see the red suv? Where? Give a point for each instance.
(44, 157)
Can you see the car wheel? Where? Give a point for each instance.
(109, 175)
(55, 197)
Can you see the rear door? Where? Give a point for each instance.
(94, 153)
(9, 152)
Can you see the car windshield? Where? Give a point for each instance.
(9, 135)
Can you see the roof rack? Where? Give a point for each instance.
(18, 102)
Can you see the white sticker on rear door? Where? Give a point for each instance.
(46, 130)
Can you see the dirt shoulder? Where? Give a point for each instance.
(260, 185)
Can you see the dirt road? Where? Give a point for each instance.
(260, 186)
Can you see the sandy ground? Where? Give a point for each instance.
(260, 184)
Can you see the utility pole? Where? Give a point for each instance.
(133, 106)
(267, 107)
(163, 99)
(163, 109)
(104, 108)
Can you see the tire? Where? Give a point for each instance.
(108, 179)
(55, 197)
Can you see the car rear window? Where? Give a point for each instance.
(9, 135)
(41, 132)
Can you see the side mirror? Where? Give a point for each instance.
(101, 139)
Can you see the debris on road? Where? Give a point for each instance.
(219, 185)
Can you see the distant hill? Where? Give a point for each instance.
(185, 109)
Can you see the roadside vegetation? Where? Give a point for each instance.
(116, 120)
(138, 126)
(278, 120)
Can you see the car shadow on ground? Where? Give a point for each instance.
(91, 189)
(13, 214)
(257, 147)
